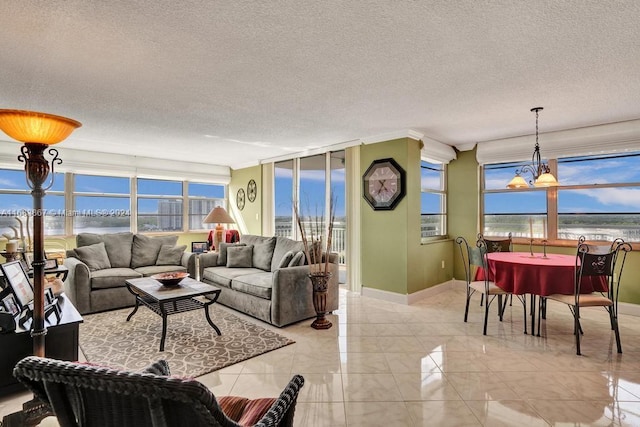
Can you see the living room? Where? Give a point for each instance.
(228, 95)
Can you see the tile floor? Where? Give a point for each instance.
(384, 364)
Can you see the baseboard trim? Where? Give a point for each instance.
(629, 309)
(407, 299)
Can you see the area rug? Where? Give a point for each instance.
(192, 347)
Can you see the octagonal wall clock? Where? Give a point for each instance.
(383, 184)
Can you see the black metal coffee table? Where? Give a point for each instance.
(165, 300)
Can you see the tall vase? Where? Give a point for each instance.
(319, 283)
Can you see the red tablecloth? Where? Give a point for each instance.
(519, 273)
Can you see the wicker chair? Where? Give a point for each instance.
(85, 395)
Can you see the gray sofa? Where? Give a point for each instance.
(266, 278)
(100, 264)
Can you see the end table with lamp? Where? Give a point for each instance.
(219, 216)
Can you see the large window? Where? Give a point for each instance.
(433, 203)
(159, 205)
(101, 204)
(202, 199)
(283, 186)
(17, 203)
(598, 197)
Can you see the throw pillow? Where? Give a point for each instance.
(170, 255)
(262, 254)
(222, 251)
(145, 249)
(118, 246)
(297, 260)
(95, 256)
(286, 259)
(239, 256)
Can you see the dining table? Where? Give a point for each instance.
(538, 275)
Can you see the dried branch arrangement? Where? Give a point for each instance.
(315, 238)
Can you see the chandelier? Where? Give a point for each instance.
(542, 176)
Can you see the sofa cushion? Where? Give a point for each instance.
(145, 249)
(222, 252)
(258, 284)
(263, 254)
(222, 276)
(286, 259)
(95, 256)
(150, 270)
(118, 246)
(239, 256)
(284, 245)
(297, 260)
(170, 255)
(112, 277)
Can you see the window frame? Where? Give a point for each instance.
(440, 192)
(552, 209)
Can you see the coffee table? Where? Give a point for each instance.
(165, 300)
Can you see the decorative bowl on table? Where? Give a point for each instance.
(170, 279)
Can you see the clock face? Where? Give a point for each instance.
(240, 199)
(383, 184)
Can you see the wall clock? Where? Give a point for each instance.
(383, 184)
(240, 199)
(252, 191)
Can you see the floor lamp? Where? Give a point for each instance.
(218, 216)
(36, 131)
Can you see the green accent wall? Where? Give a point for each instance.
(392, 256)
(463, 203)
(250, 218)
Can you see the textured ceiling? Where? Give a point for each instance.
(235, 82)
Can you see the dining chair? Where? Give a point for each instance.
(472, 259)
(592, 262)
(497, 245)
(87, 395)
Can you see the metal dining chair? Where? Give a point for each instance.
(472, 259)
(592, 262)
(497, 245)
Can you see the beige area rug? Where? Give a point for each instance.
(192, 347)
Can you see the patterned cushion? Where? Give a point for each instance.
(244, 411)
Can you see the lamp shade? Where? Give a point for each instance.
(218, 216)
(517, 182)
(34, 127)
(546, 180)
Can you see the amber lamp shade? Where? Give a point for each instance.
(36, 128)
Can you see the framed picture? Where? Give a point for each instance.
(18, 282)
(28, 259)
(199, 247)
(10, 306)
(51, 264)
(48, 296)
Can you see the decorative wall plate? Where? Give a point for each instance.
(240, 199)
(252, 191)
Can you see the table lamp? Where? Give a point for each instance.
(218, 216)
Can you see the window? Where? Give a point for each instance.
(433, 203)
(101, 204)
(159, 205)
(202, 199)
(283, 198)
(16, 201)
(598, 197)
